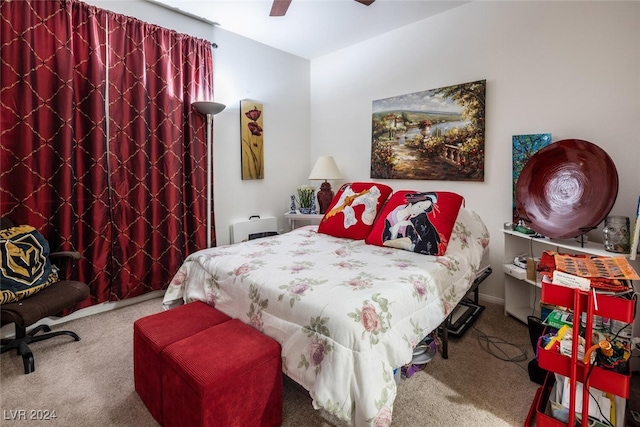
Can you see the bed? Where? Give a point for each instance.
(346, 313)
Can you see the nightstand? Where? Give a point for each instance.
(308, 218)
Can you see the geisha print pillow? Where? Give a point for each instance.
(353, 210)
(415, 221)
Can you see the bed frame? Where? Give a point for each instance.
(458, 328)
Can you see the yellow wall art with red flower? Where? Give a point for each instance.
(252, 139)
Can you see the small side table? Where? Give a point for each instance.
(293, 217)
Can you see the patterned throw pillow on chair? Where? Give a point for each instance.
(24, 263)
(416, 221)
(354, 209)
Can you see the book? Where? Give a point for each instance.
(635, 236)
(613, 267)
(558, 318)
(569, 280)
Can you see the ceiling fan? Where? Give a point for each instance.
(279, 7)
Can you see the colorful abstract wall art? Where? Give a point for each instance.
(524, 146)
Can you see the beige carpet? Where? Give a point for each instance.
(90, 382)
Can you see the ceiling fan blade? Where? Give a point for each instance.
(279, 7)
(365, 2)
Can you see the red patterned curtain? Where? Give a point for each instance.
(157, 160)
(37, 109)
(123, 185)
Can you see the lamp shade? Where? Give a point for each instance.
(208, 107)
(325, 168)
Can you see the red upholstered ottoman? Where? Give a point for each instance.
(228, 375)
(151, 334)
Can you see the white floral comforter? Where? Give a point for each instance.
(345, 313)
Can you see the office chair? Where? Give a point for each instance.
(50, 301)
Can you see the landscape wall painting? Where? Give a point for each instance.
(436, 134)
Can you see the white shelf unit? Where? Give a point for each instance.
(522, 296)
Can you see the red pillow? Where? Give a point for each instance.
(417, 221)
(353, 210)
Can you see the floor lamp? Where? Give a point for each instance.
(209, 109)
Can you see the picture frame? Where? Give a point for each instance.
(523, 148)
(436, 134)
(252, 139)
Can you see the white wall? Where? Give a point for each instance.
(248, 70)
(245, 69)
(568, 68)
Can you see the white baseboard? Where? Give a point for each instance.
(8, 331)
(491, 299)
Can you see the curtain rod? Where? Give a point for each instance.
(180, 11)
(190, 15)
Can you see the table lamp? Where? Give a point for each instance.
(325, 168)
